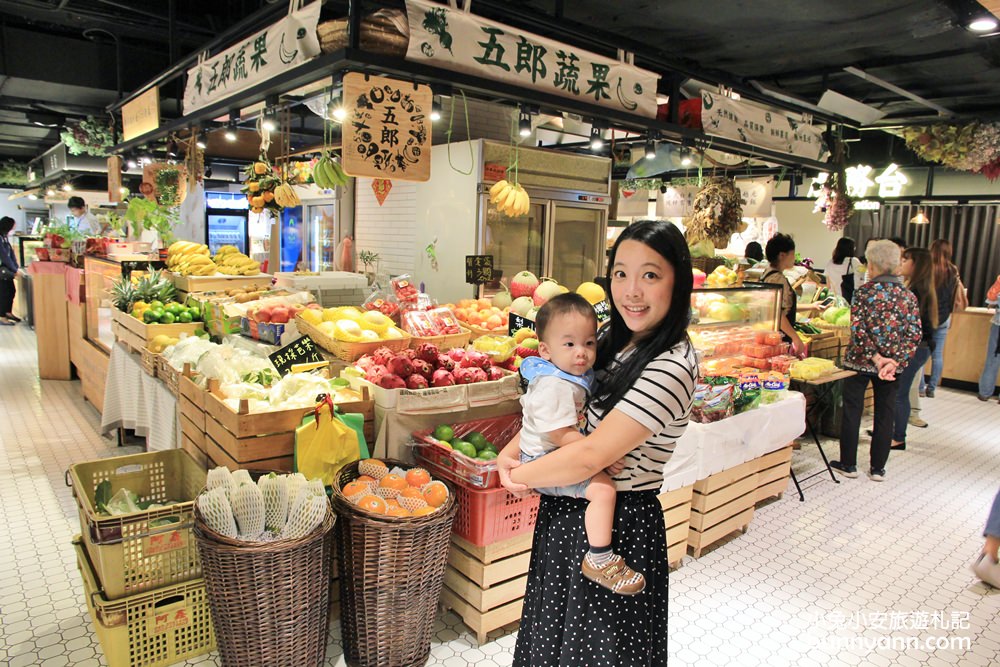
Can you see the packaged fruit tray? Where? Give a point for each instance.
(438, 447)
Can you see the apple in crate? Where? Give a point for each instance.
(523, 284)
(262, 314)
(280, 315)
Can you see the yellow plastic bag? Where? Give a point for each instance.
(324, 444)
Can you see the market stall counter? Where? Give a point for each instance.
(51, 323)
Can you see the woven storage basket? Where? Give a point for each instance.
(391, 572)
(443, 342)
(706, 264)
(479, 332)
(349, 351)
(269, 601)
(379, 33)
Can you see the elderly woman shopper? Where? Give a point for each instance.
(885, 331)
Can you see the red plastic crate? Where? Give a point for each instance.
(460, 468)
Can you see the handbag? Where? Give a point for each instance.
(961, 299)
(6, 274)
(847, 282)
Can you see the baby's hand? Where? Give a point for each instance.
(615, 467)
(504, 466)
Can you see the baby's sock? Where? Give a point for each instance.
(600, 555)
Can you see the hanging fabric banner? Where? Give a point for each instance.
(759, 126)
(676, 202)
(462, 42)
(281, 46)
(756, 194)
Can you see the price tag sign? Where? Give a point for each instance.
(515, 322)
(603, 310)
(478, 269)
(301, 351)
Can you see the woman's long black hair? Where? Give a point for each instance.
(844, 250)
(667, 240)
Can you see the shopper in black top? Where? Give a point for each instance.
(646, 370)
(917, 271)
(946, 281)
(8, 269)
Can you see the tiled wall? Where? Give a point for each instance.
(387, 229)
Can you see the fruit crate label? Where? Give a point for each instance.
(478, 269)
(301, 351)
(173, 619)
(515, 322)
(166, 542)
(603, 310)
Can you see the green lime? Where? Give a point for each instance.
(156, 303)
(195, 311)
(444, 432)
(167, 318)
(464, 447)
(340, 382)
(490, 447)
(486, 455)
(477, 439)
(184, 317)
(149, 316)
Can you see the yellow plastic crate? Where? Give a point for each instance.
(151, 629)
(145, 550)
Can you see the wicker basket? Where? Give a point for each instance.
(706, 264)
(391, 572)
(479, 332)
(445, 342)
(379, 33)
(349, 351)
(269, 601)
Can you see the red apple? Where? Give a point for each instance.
(279, 315)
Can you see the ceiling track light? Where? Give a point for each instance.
(982, 24)
(596, 139)
(650, 152)
(50, 192)
(524, 121)
(269, 121)
(920, 218)
(199, 140)
(67, 187)
(436, 109)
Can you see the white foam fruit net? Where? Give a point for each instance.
(275, 490)
(242, 476)
(216, 511)
(248, 508)
(306, 516)
(220, 477)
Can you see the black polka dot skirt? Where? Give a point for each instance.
(569, 621)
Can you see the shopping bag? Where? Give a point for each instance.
(326, 441)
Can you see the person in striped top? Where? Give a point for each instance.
(645, 377)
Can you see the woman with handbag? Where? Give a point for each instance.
(842, 270)
(950, 297)
(8, 269)
(988, 378)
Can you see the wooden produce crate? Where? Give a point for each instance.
(826, 345)
(722, 503)
(137, 335)
(263, 440)
(773, 472)
(484, 585)
(170, 375)
(191, 408)
(349, 351)
(676, 507)
(218, 282)
(149, 361)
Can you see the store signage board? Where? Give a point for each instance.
(603, 310)
(751, 124)
(478, 269)
(860, 180)
(516, 322)
(114, 179)
(387, 132)
(757, 194)
(676, 202)
(301, 351)
(463, 42)
(265, 54)
(141, 115)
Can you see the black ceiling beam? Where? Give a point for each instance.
(333, 64)
(874, 63)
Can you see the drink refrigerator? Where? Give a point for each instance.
(561, 237)
(226, 221)
(310, 234)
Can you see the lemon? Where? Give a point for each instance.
(592, 292)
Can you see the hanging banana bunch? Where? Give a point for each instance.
(327, 172)
(510, 198)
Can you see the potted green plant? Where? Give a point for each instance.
(147, 215)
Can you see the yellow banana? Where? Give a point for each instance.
(496, 189)
(509, 199)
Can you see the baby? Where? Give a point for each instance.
(558, 383)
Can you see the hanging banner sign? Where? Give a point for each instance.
(282, 45)
(381, 187)
(387, 132)
(758, 126)
(756, 194)
(633, 203)
(462, 42)
(141, 115)
(676, 202)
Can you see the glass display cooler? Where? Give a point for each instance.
(737, 326)
(25, 256)
(226, 221)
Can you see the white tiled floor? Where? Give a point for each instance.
(884, 564)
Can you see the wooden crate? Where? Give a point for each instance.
(170, 375)
(196, 452)
(773, 471)
(264, 440)
(149, 361)
(190, 390)
(722, 503)
(484, 585)
(826, 345)
(221, 282)
(676, 506)
(136, 334)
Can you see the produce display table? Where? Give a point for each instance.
(48, 288)
(134, 400)
(822, 395)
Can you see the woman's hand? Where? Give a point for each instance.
(798, 347)
(886, 367)
(504, 466)
(615, 467)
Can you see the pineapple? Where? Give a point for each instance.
(123, 294)
(154, 287)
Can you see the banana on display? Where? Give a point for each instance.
(190, 259)
(284, 196)
(328, 174)
(231, 262)
(510, 198)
